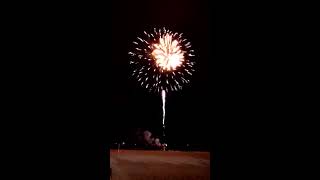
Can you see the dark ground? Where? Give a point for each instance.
(165, 165)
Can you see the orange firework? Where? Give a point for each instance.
(162, 60)
(167, 53)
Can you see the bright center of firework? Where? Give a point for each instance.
(167, 53)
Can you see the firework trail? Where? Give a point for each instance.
(163, 107)
(162, 61)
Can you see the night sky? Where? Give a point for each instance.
(186, 111)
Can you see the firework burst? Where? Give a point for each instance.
(162, 60)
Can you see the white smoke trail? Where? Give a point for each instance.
(163, 106)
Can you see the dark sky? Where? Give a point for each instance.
(186, 110)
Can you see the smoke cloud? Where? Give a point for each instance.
(157, 142)
(150, 140)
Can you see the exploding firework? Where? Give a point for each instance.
(162, 60)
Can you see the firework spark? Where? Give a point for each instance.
(162, 60)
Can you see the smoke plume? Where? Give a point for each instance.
(150, 140)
